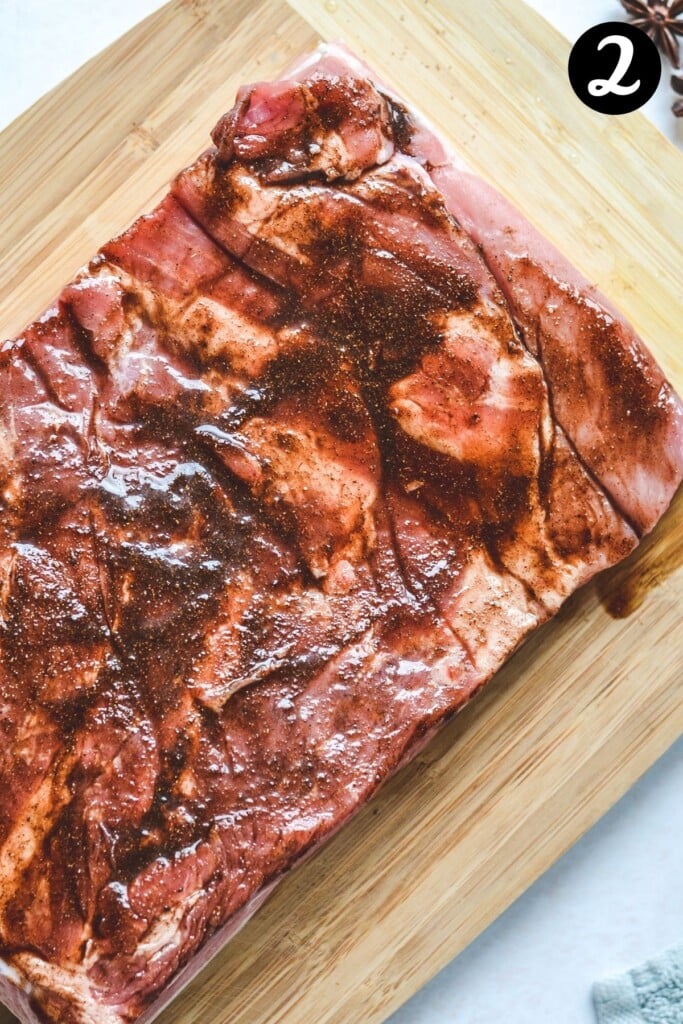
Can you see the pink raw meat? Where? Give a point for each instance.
(288, 471)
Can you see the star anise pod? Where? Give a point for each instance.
(657, 18)
(677, 86)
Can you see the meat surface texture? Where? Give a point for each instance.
(287, 472)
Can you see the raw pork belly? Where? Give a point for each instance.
(288, 471)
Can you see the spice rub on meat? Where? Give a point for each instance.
(286, 474)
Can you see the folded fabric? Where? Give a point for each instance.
(649, 994)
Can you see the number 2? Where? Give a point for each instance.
(602, 86)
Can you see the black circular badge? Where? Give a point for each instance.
(614, 68)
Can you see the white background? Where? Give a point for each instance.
(617, 896)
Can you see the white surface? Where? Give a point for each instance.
(614, 900)
(617, 896)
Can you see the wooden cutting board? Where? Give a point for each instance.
(591, 700)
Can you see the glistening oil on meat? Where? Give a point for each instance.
(289, 470)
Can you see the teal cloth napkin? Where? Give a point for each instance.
(649, 994)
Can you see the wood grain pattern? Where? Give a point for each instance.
(590, 701)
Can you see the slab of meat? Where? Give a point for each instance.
(287, 472)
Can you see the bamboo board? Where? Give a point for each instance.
(591, 700)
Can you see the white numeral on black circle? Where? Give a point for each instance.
(603, 86)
